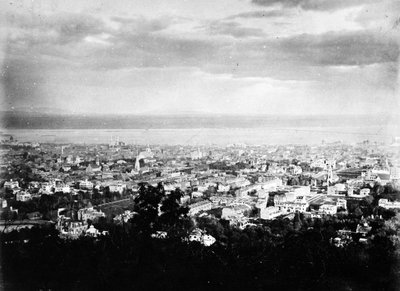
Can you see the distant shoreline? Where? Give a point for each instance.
(204, 136)
(27, 120)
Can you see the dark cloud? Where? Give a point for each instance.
(325, 5)
(154, 50)
(347, 49)
(22, 81)
(259, 14)
(143, 25)
(142, 43)
(76, 27)
(60, 28)
(233, 29)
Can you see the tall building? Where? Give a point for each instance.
(137, 162)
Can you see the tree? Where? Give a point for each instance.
(147, 207)
(172, 213)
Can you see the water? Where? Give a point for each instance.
(205, 136)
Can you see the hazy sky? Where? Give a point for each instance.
(218, 56)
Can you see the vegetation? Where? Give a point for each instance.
(278, 255)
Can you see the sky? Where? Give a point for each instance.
(290, 57)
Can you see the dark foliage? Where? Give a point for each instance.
(279, 255)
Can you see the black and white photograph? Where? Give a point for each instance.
(200, 145)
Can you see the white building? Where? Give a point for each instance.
(328, 208)
(85, 184)
(301, 190)
(395, 173)
(280, 200)
(92, 231)
(199, 236)
(89, 213)
(46, 187)
(200, 206)
(11, 184)
(23, 196)
(197, 194)
(228, 213)
(271, 185)
(117, 188)
(270, 212)
(223, 188)
(341, 203)
(385, 203)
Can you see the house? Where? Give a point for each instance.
(3, 203)
(363, 193)
(93, 168)
(395, 173)
(199, 206)
(328, 208)
(85, 185)
(23, 196)
(71, 229)
(223, 188)
(200, 236)
(94, 232)
(363, 229)
(34, 215)
(385, 203)
(11, 184)
(46, 188)
(124, 217)
(160, 235)
(90, 213)
(341, 203)
(270, 212)
(117, 188)
(383, 178)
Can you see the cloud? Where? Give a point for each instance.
(60, 28)
(234, 29)
(259, 14)
(22, 82)
(140, 24)
(322, 5)
(345, 48)
(137, 42)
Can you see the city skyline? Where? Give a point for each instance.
(236, 57)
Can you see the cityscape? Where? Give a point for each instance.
(200, 145)
(349, 194)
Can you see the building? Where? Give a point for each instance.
(341, 203)
(71, 229)
(270, 212)
(93, 168)
(85, 185)
(46, 188)
(328, 208)
(92, 214)
(385, 203)
(395, 173)
(280, 200)
(301, 190)
(272, 184)
(199, 236)
(117, 188)
(11, 184)
(23, 196)
(3, 203)
(363, 193)
(200, 206)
